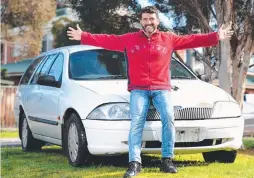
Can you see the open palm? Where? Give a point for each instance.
(74, 34)
(225, 33)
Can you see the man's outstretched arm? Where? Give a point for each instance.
(201, 40)
(111, 42)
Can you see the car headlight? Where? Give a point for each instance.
(117, 111)
(226, 109)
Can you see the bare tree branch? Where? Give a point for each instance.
(244, 36)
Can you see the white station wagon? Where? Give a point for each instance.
(77, 97)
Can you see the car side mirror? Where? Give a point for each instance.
(204, 78)
(48, 80)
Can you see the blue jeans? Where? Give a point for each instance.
(139, 105)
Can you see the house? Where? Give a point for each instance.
(15, 71)
(11, 52)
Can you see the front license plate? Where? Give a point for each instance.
(188, 135)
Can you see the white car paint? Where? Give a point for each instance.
(111, 137)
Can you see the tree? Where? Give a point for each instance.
(29, 18)
(112, 17)
(3, 73)
(105, 16)
(96, 17)
(234, 55)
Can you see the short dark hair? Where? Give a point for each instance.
(150, 10)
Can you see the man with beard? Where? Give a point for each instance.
(149, 56)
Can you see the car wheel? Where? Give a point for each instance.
(76, 141)
(220, 156)
(28, 143)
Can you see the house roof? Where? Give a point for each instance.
(250, 79)
(249, 83)
(17, 68)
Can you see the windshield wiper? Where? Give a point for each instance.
(181, 77)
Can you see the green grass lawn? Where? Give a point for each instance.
(9, 134)
(50, 163)
(248, 142)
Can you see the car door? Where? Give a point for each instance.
(34, 97)
(25, 93)
(49, 100)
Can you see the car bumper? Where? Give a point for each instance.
(111, 137)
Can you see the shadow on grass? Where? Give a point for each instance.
(147, 161)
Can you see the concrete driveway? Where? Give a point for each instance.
(10, 142)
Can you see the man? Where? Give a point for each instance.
(149, 56)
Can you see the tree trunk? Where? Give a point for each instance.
(225, 69)
(244, 69)
(224, 16)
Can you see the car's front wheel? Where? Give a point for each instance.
(76, 141)
(28, 142)
(220, 156)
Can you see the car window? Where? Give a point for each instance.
(30, 70)
(97, 64)
(178, 71)
(37, 72)
(44, 68)
(57, 68)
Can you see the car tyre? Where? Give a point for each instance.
(220, 156)
(76, 141)
(28, 142)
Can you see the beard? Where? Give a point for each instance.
(149, 28)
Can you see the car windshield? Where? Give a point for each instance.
(178, 71)
(103, 64)
(97, 64)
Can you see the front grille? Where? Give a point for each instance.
(206, 142)
(183, 114)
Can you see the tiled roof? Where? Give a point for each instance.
(17, 67)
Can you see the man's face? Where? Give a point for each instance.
(149, 22)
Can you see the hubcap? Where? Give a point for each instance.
(73, 142)
(24, 133)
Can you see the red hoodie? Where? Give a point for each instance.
(149, 58)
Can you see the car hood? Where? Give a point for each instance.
(188, 93)
(107, 87)
(196, 93)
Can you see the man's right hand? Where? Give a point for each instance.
(74, 34)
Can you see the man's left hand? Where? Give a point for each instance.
(225, 33)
